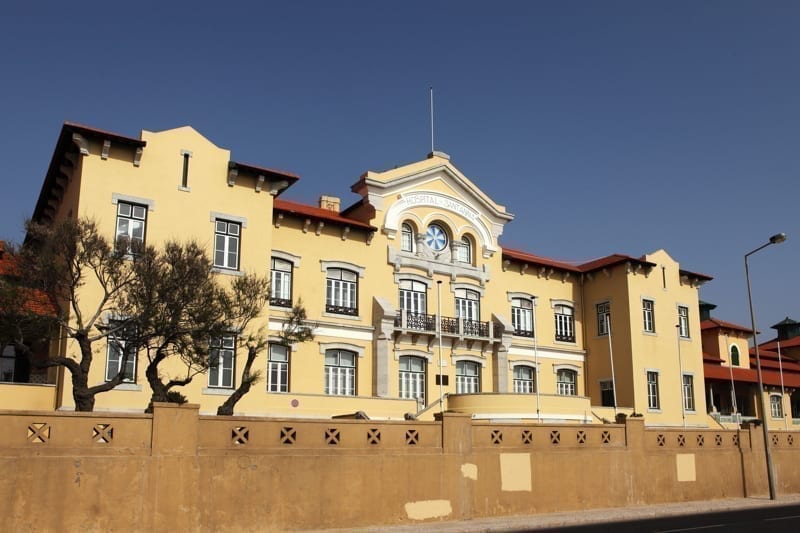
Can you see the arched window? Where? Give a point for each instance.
(407, 238)
(468, 305)
(734, 355)
(412, 296)
(524, 379)
(565, 382)
(412, 378)
(464, 251)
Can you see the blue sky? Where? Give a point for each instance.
(605, 127)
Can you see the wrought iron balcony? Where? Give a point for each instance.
(450, 326)
(280, 302)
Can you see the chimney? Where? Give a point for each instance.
(330, 203)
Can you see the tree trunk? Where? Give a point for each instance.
(156, 385)
(83, 397)
(226, 409)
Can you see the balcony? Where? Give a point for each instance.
(450, 326)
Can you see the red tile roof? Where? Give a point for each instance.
(786, 343)
(36, 301)
(318, 213)
(266, 171)
(611, 260)
(715, 323)
(749, 375)
(525, 257)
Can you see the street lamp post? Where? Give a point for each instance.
(775, 239)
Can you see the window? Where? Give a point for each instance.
(117, 349)
(776, 405)
(407, 238)
(734, 355)
(603, 318)
(226, 244)
(131, 219)
(281, 283)
(652, 390)
(468, 377)
(185, 174)
(220, 369)
(14, 368)
(464, 251)
(607, 393)
(413, 296)
(683, 321)
(340, 373)
(278, 368)
(468, 304)
(412, 378)
(648, 316)
(565, 323)
(688, 392)
(341, 295)
(524, 379)
(565, 382)
(436, 238)
(522, 316)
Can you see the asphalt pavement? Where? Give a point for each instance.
(611, 519)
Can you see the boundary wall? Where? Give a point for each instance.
(175, 470)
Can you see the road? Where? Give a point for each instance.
(774, 518)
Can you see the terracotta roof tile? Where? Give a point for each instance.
(318, 213)
(714, 323)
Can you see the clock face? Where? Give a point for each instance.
(436, 238)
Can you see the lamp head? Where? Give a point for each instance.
(777, 238)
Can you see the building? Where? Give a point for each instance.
(731, 379)
(416, 305)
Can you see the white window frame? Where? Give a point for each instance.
(281, 277)
(468, 304)
(683, 321)
(407, 238)
(565, 387)
(648, 315)
(340, 379)
(522, 316)
(412, 382)
(413, 296)
(278, 367)
(117, 343)
(341, 294)
(222, 372)
(687, 386)
(468, 383)
(564, 321)
(653, 390)
(135, 219)
(776, 407)
(524, 384)
(224, 240)
(603, 310)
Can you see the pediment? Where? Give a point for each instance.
(433, 189)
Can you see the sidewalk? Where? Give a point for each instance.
(574, 518)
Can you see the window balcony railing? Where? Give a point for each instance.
(523, 332)
(280, 302)
(450, 326)
(341, 310)
(565, 337)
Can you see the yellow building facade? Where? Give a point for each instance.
(416, 306)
